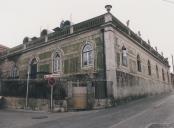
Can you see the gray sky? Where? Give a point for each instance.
(20, 18)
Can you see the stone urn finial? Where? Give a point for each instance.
(108, 8)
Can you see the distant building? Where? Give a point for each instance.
(98, 49)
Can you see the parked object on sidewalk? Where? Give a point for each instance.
(80, 97)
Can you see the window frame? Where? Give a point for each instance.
(58, 62)
(14, 71)
(163, 75)
(91, 52)
(157, 71)
(34, 63)
(139, 63)
(149, 68)
(124, 58)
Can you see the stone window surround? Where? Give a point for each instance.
(14, 71)
(139, 63)
(58, 51)
(124, 58)
(163, 75)
(149, 67)
(90, 65)
(157, 71)
(37, 62)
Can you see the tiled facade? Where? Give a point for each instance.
(117, 55)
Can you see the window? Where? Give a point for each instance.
(33, 68)
(124, 56)
(149, 67)
(157, 73)
(118, 59)
(138, 63)
(163, 75)
(56, 62)
(87, 55)
(14, 72)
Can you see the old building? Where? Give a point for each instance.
(98, 49)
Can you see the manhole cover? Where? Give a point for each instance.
(161, 126)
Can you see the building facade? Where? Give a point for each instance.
(98, 49)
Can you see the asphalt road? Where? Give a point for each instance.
(150, 112)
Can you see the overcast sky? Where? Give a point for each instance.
(154, 18)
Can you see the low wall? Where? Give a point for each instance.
(129, 85)
(34, 104)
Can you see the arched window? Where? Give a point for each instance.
(157, 73)
(87, 55)
(149, 67)
(163, 75)
(33, 69)
(14, 72)
(124, 56)
(138, 63)
(56, 62)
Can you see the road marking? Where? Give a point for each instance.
(157, 105)
(161, 125)
(134, 116)
(160, 103)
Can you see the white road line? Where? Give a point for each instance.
(123, 121)
(135, 116)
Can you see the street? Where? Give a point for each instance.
(149, 112)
